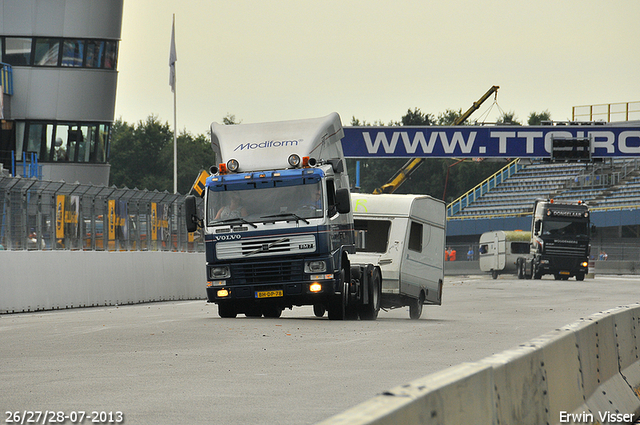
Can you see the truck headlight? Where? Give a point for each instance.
(315, 266)
(220, 272)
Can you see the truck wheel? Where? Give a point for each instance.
(415, 307)
(580, 276)
(371, 310)
(253, 311)
(336, 309)
(494, 274)
(534, 271)
(520, 266)
(271, 311)
(319, 310)
(227, 310)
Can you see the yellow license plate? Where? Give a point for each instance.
(269, 294)
(565, 272)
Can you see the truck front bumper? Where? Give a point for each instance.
(563, 266)
(284, 294)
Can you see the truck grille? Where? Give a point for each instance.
(566, 251)
(264, 247)
(267, 272)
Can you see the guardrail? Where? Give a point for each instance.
(45, 215)
(484, 187)
(585, 372)
(623, 111)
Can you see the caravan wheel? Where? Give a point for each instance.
(415, 308)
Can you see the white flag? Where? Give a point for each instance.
(173, 57)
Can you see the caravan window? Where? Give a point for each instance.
(415, 237)
(374, 235)
(484, 249)
(520, 247)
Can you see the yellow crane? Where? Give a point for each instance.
(411, 165)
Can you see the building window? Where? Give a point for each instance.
(46, 51)
(101, 142)
(17, 51)
(63, 141)
(111, 55)
(95, 54)
(72, 53)
(35, 137)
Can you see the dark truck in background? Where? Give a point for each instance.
(560, 241)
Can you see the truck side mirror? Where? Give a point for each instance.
(536, 227)
(343, 200)
(191, 214)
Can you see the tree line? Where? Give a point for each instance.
(141, 156)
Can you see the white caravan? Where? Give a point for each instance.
(500, 249)
(405, 236)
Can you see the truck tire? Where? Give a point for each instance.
(580, 276)
(415, 307)
(227, 310)
(337, 308)
(370, 311)
(272, 311)
(319, 310)
(520, 266)
(253, 311)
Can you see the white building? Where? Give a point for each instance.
(62, 57)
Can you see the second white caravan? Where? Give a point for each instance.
(405, 236)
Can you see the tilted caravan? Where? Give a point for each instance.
(405, 236)
(499, 250)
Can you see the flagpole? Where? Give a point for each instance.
(175, 119)
(175, 145)
(172, 82)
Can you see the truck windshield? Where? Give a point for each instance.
(565, 228)
(267, 204)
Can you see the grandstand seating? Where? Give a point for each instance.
(607, 186)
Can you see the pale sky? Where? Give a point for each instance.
(273, 60)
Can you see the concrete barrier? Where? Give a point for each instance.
(46, 280)
(585, 372)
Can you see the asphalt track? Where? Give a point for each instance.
(178, 362)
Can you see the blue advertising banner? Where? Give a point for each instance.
(485, 141)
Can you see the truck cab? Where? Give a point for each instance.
(560, 241)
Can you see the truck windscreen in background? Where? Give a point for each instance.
(565, 228)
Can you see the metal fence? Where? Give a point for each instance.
(45, 215)
(605, 249)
